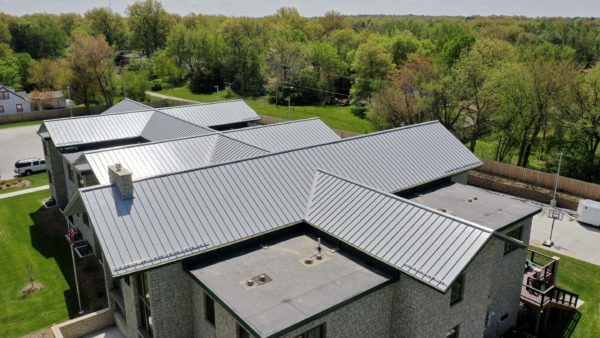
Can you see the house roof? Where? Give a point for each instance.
(126, 105)
(175, 216)
(427, 244)
(484, 207)
(22, 94)
(158, 158)
(96, 128)
(46, 95)
(214, 114)
(296, 291)
(286, 135)
(152, 124)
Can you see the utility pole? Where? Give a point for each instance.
(217, 89)
(69, 102)
(289, 101)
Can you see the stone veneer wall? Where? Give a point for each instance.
(170, 301)
(420, 311)
(368, 316)
(506, 283)
(54, 163)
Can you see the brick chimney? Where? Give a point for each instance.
(121, 177)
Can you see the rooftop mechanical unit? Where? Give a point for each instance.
(589, 212)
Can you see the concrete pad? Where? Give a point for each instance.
(109, 332)
(16, 144)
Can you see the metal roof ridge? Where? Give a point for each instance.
(272, 125)
(151, 110)
(95, 151)
(349, 139)
(156, 110)
(435, 211)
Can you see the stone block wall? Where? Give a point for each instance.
(506, 283)
(170, 301)
(420, 311)
(54, 163)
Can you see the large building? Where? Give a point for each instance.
(287, 230)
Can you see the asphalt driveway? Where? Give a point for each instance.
(16, 144)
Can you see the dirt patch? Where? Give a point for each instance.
(43, 333)
(31, 288)
(14, 183)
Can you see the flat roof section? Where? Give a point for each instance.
(294, 291)
(477, 205)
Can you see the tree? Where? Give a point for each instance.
(45, 74)
(473, 91)
(402, 45)
(454, 49)
(399, 103)
(371, 64)
(134, 85)
(244, 58)
(40, 38)
(333, 20)
(149, 24)
(91, 61)
(105, 22)
(286, 54)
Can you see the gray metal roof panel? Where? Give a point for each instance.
(214, 114)
(97, 128)
(232, 201)
(159, 158)
(424, 243)
(126, 105)
(165, 127)
(286, 135)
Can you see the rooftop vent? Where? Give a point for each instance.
(122, 178)
(258, 280)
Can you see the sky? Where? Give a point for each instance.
(256, 8)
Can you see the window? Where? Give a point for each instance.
(209, 309)
(317, 332)
(45, 147)
(42, 162)
(144, 300)
(49, 177)
(19, 108)
(452, 333)
(70, 172)
(242, 333)
(517, 234)
(456, 293)
(86, 219)
(36, 163)
(1, 109)
(79, 180)
(4, 95)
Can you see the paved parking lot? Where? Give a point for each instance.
(16, 144)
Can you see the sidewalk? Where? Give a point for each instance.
(22, 192)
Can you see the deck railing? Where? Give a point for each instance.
(541, 293)
(545, 264)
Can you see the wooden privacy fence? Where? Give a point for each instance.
(541, 179)
(264, 119)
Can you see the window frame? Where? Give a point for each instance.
(4, 95)
(209, 309)
(321, 328)
(242, 333)
(19, 107)
(1, 109)
(454, 332)
(144, 304)
(510, 247)
(460, 281)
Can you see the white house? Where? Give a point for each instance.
(13, 102)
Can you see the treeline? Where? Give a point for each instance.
(529, 87)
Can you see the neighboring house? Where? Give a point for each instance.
(371, 236)
(43, 100)
(13, 102)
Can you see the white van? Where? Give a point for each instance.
(30, 166)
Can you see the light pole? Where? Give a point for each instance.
(69, 102)
(553, 202)
(217, 89)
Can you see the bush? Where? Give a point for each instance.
(302, 90)
(228, 92)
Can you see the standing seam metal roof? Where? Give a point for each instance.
(426, 244)
(215, 113)
(165, 127)
(177, 215)
(158, 158)
(126, 105)
(286, 135)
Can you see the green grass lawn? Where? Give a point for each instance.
(31, 235)
(20, 124)
(583, 279)
(336, 117)
(36, 180)
(486, 148)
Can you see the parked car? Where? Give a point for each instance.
(30, 166)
